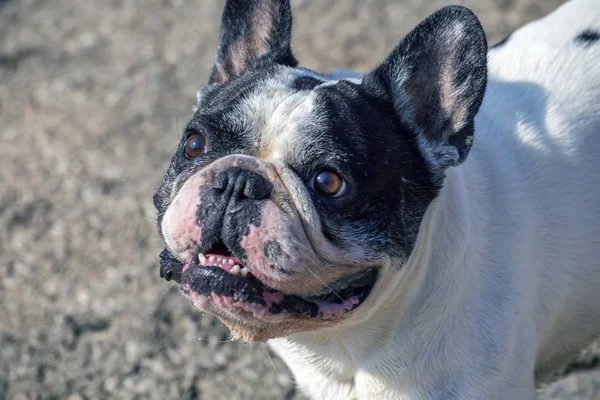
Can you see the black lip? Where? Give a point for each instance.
(205, 281)
(170, 267)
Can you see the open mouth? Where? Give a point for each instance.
(219, 273)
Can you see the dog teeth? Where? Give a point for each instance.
(227, 263)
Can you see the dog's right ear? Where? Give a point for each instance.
(253, 31)
(436, 78)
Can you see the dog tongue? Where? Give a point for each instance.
(330, 310)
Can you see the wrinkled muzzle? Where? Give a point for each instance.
(244, 241)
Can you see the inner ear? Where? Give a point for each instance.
(252, 30)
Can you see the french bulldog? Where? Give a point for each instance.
(427, 230)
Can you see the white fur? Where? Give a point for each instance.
(504, 282)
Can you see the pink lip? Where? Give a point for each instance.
(186, 266)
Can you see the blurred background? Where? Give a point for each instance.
(93, 97)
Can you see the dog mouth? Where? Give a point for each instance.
(219, 275)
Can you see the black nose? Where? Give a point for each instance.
(243, 183)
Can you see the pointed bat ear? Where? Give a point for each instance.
(436, 78)
(253, 31)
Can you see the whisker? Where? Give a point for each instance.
(177, 133)
(151, 218)
(271, 360)
(166, 291)
(218, 341)
(326, 285)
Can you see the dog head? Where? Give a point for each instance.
(293, 196)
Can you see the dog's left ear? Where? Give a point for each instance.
(252, 31)
(436, 78)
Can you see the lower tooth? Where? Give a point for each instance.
(201, 259)
(235, 270)
(244, 271)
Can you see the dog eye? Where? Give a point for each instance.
(195, 145)
(329, 183)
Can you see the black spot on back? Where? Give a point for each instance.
(501, 43)
(587, 37)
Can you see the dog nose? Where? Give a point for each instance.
(243, 183)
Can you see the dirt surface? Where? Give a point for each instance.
(91, 97)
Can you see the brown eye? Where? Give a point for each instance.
(195, 145)
(329, 183)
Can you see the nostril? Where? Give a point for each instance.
(257, 188)
(242, 184)
(221, 181)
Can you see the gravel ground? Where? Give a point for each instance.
(91, 97)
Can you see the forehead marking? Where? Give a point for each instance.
(282, 130)
(277, 110)
(276, 113)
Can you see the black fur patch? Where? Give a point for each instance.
(390, 186)
(587, 37)
(207, 280)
